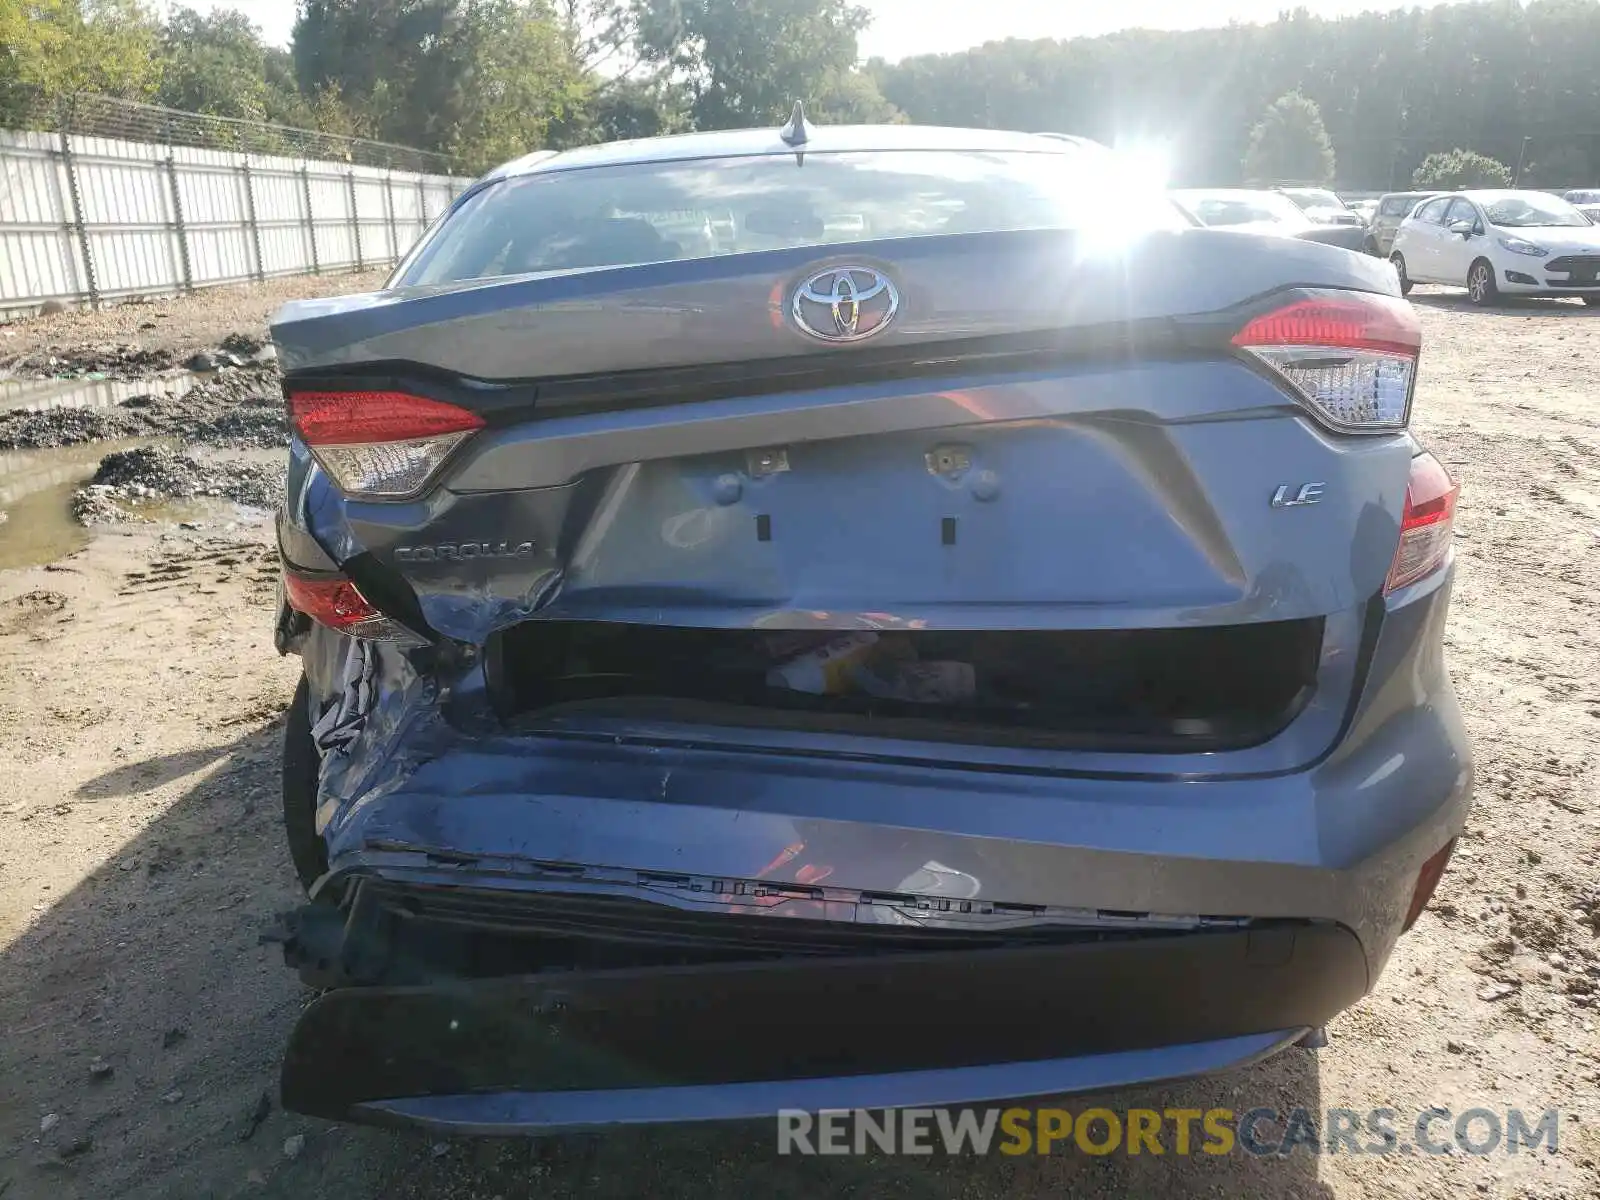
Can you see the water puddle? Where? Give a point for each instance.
(36, 488)
(47, 395)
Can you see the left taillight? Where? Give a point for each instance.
(380, 444)
(336, 602)
(1426, 524)
(1350, 356)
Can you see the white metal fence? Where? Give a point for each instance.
(87, 219)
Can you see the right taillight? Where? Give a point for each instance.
(1350, 356)
(1428, 878)
(386, 445)
(1426, 524)
(335, 601)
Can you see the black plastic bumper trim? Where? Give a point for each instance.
(742, 1022)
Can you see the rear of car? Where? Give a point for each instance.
(1586, 201)
(1391, 211)
(898, 617)
(1322, 206)
(1247, 211)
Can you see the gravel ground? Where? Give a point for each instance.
(140, 855)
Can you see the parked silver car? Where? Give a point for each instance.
(1586, 201)
(948, 630)
(1247, 211)
(1392, 209)
(1322, 206)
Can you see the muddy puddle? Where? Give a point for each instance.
(216, 429)
(37, 487)
(50, 395)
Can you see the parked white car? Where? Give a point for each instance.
(1586, 201)
(1497, 243)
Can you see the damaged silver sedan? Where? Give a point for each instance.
(823, 618)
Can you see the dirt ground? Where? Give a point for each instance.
(141, 1023)
(164, 331)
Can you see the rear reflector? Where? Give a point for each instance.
(336, 602)
(1351, 356)
(1428, 879)
(381, 444)
(1426, 524)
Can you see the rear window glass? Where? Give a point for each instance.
(1242, 208)
(655, 212)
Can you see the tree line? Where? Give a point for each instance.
(1391, 88)
(479, 81)
(1362, 100)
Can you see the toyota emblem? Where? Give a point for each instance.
(845, 304)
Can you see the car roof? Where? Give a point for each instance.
(1488, 195)
(1193, 194)
(821, 139)
(1403, 195)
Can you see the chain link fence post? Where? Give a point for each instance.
(311, 219)
(178, 226)
(355, 220)
(388, 212)
(250, 215)
(75, 194)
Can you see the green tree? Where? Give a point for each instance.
(51, 48)
(1460, 169)
(748, 61)
(1472, 74)
(480, 80)
(1290, 144)
(217, 64)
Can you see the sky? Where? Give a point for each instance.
(904, 27)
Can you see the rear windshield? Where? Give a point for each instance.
(1241, 208)
(654, 212)
(1314, 198)
(1399, 206)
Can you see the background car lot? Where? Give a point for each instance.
(140, 854)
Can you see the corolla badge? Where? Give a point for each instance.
(462, 551)
(845, 304)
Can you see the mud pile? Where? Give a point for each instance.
(107, 360)
(237, 407)
(151, 474)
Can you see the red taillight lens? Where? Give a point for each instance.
(1352, 356)
(381, 444)
(348, 418)
(1426, 524)
(336, 602)
(1428, 878)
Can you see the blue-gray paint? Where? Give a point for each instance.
(1097, 496)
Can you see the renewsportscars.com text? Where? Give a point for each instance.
(1181, 1131)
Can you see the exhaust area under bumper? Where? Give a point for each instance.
(722, 1040)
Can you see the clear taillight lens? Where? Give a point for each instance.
(1351, 356)
(336, 602)
(386, 445)
(1426, 525)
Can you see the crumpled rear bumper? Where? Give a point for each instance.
(717, 1040)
